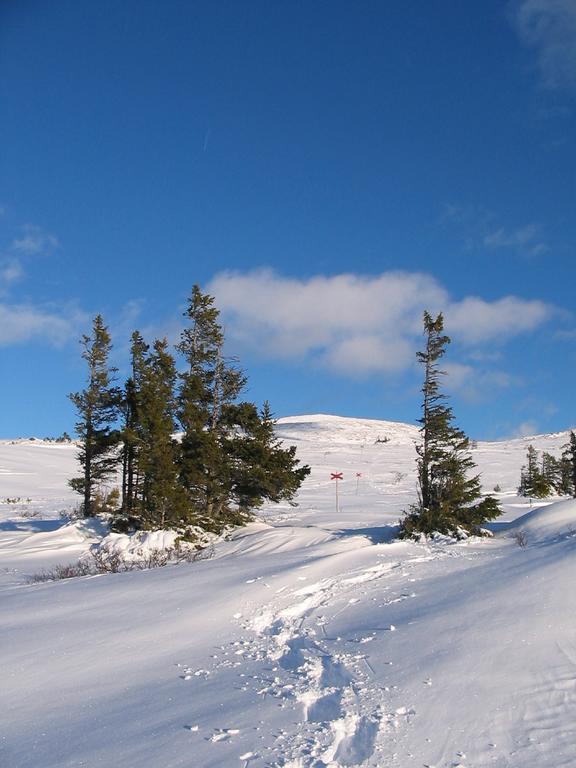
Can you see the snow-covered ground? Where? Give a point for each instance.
(310, 638)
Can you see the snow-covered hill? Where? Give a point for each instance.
(311, 638)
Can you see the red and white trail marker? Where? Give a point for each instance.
(337, 476)
(358, 476)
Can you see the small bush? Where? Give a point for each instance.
(29, 513)
(99, 561)
(71, 515)
(520, 538)
(61, 572)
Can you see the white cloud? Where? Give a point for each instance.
(359, 325)
(549, 28)
(360, 355)
(476, 385)
(459, 375)
(24, 322)
(34, 240)
(475, 321)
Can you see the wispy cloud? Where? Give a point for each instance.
(549, 28)
(479, 227)
(474, 384)
(33, 241)
(524, 238)
(358, 325)
(471, 222)
(21, 323)
(25, 321)
(10, 271)
(525, 429)
(568, 334)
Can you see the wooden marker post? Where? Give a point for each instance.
(337, 476)
(358, 476)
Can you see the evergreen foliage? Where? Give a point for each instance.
(132, 428)
(568, 466)
(541, 477)
(97, 406)
(161, 502)
(228, 460)
(264, 471)
(551, 471)
(450, 497)
(532, 479)
(209, 387)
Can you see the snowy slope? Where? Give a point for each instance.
(311, 638)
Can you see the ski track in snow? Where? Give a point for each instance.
(344, 715)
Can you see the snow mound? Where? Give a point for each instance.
(64, 535)
(261, 538)
(341, 429)
(548, 523)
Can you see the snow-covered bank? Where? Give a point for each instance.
(309, 639)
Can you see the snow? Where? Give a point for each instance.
(311, 638)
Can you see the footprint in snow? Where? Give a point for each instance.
(223, 734)
(190, 673)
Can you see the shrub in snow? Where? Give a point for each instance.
(117, 553)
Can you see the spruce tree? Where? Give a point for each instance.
(569, 464)
(229, 460)
(536, 476)
(450, 497)
(162, 503)
(132, 433)
(551, 472)
(565, 485)
(204, 471)
(265, 470)
(98, 407)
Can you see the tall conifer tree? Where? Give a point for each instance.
(201, 466)
(537, 478)
(263, 469)
(569, 465)
(224, 439)
(132, 431)
(97, 406)
(162, 503)
(450, 498)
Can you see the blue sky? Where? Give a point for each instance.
(326, 169)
